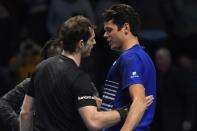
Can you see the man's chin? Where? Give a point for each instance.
(86, 55)
(114, 48)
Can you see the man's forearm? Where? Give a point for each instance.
(26, 121)
(107, 119)
(26, 114)
(95, 120)
(134, 115)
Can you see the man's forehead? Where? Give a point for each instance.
(108, 24)
(92, 31)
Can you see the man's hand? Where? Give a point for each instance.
(98, 101)
(124, 110)
(149, 100)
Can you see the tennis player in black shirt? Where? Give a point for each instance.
(60, 95)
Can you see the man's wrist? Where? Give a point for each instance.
(123, 113)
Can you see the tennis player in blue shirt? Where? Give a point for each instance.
(132, 76)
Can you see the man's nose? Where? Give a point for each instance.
(105, 35)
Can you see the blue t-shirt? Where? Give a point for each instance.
(134, 66)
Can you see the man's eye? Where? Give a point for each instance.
(109, 30)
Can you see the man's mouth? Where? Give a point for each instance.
(109, 41)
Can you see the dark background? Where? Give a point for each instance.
(25, 26)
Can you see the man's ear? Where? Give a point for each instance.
(126, 28)
(80, 45)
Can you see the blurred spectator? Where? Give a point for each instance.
(185, 62)
(189, 77)
(25, 61)
(175, 108)
(181, 19)
(51, 48)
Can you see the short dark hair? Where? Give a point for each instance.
(50, 43)
(122, 13)
(73, 30)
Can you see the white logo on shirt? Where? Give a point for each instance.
(134, 74)
(85, 97)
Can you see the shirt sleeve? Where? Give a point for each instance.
(30, 88)
(15, 97)
(131, 70)
(83, 91)
(11, 103)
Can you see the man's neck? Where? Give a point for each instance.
(130, 42)
(76, 57)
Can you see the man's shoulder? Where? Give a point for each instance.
(129, 55)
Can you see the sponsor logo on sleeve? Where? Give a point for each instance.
(85, 97)
(134, 75)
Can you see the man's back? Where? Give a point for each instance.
(53, 83)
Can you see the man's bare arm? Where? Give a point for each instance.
(95, 120)
(26, 114)
(137, 108)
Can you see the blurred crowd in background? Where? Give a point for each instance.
(168, 33)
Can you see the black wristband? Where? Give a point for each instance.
(123, 113)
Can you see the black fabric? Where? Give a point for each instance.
(10, 105)
(15, 96)
(58, 86)
(123, 113)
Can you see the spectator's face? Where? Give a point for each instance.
(87, 48)
(113, 35)
(163, 60)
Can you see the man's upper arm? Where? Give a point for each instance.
(137, 91)
(131, 71)
(87, 113)
(83, 91)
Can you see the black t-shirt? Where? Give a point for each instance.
(60, 88)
